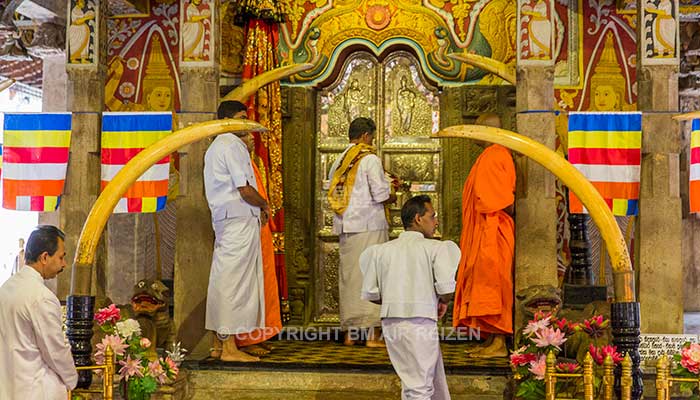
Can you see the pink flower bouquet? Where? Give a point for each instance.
(141, 376)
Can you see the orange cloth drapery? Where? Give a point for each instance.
(273, 321)
(265, 107)
(484, 292)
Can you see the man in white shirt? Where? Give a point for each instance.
(35, 360)
(235, 297)
(413, 279)
(357, 195)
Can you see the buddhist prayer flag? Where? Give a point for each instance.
(124, 135)
(35, 160)
(607, 149)
(695, 167)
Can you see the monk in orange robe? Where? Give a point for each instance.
(254, 342)
(484, 293)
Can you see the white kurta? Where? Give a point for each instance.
(407, 275)
(236, 296)
(363, 224)
(35, 358)
(365, 211)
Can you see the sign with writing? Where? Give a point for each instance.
(654, 346)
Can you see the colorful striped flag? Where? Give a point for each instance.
(607, 149)
(35, 158)
(123, 136)
(695, 167)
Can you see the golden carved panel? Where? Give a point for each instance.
(353, 95)
(327, 294)
(411, 109)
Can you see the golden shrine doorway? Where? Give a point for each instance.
(405, 106)
(407, 109)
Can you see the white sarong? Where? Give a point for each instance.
(355, 312)
(414, 349)
(236, 296)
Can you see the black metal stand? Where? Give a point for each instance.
(580, 272)
(80, 311)
(580, 289)
(625, 324)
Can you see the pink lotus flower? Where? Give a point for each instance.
(549, 337)
(171, 366)
(155, 369)
(595, 326)
(536, 325)
(145, 343)
(565, 326)
(115, 342)
(130, 368)
(518, 358)
(538, 367)
(568, 368)
(108, 314)
(542, 315)
(599, 354)
(690, 358)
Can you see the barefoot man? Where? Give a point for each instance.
(484, 293)
(236, 296)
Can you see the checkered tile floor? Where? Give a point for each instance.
(291, 354)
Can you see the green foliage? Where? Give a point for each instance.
(530, 390)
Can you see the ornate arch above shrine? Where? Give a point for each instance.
(320, 31)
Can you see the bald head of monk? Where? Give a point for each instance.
(487, 119)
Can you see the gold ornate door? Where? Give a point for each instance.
(405, 107)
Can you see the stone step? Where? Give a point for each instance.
(329, 385)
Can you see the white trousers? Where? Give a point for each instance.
(414, 349)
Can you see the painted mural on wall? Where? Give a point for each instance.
(232, 42)
(535, 32)
(607, 58)
(660, 32)
(196, 32)
(318, 31)
(82, 32)
(143, 54)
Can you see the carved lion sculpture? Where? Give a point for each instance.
(149, 306)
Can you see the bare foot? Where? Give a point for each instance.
(497, 348)
(238, 356)
(215, 353)
(485, 353)
(375, 343)
(348, 341)
(255, 350)
(480, 346)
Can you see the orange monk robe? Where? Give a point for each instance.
(273, 321)
(484, 291)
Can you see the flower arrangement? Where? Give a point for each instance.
(545, 333)
(687, 365)
(140, 375)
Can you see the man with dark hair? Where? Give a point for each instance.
(357, 194)
(35, 361)
(235, 297)
(413, 278)
(231, 109)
